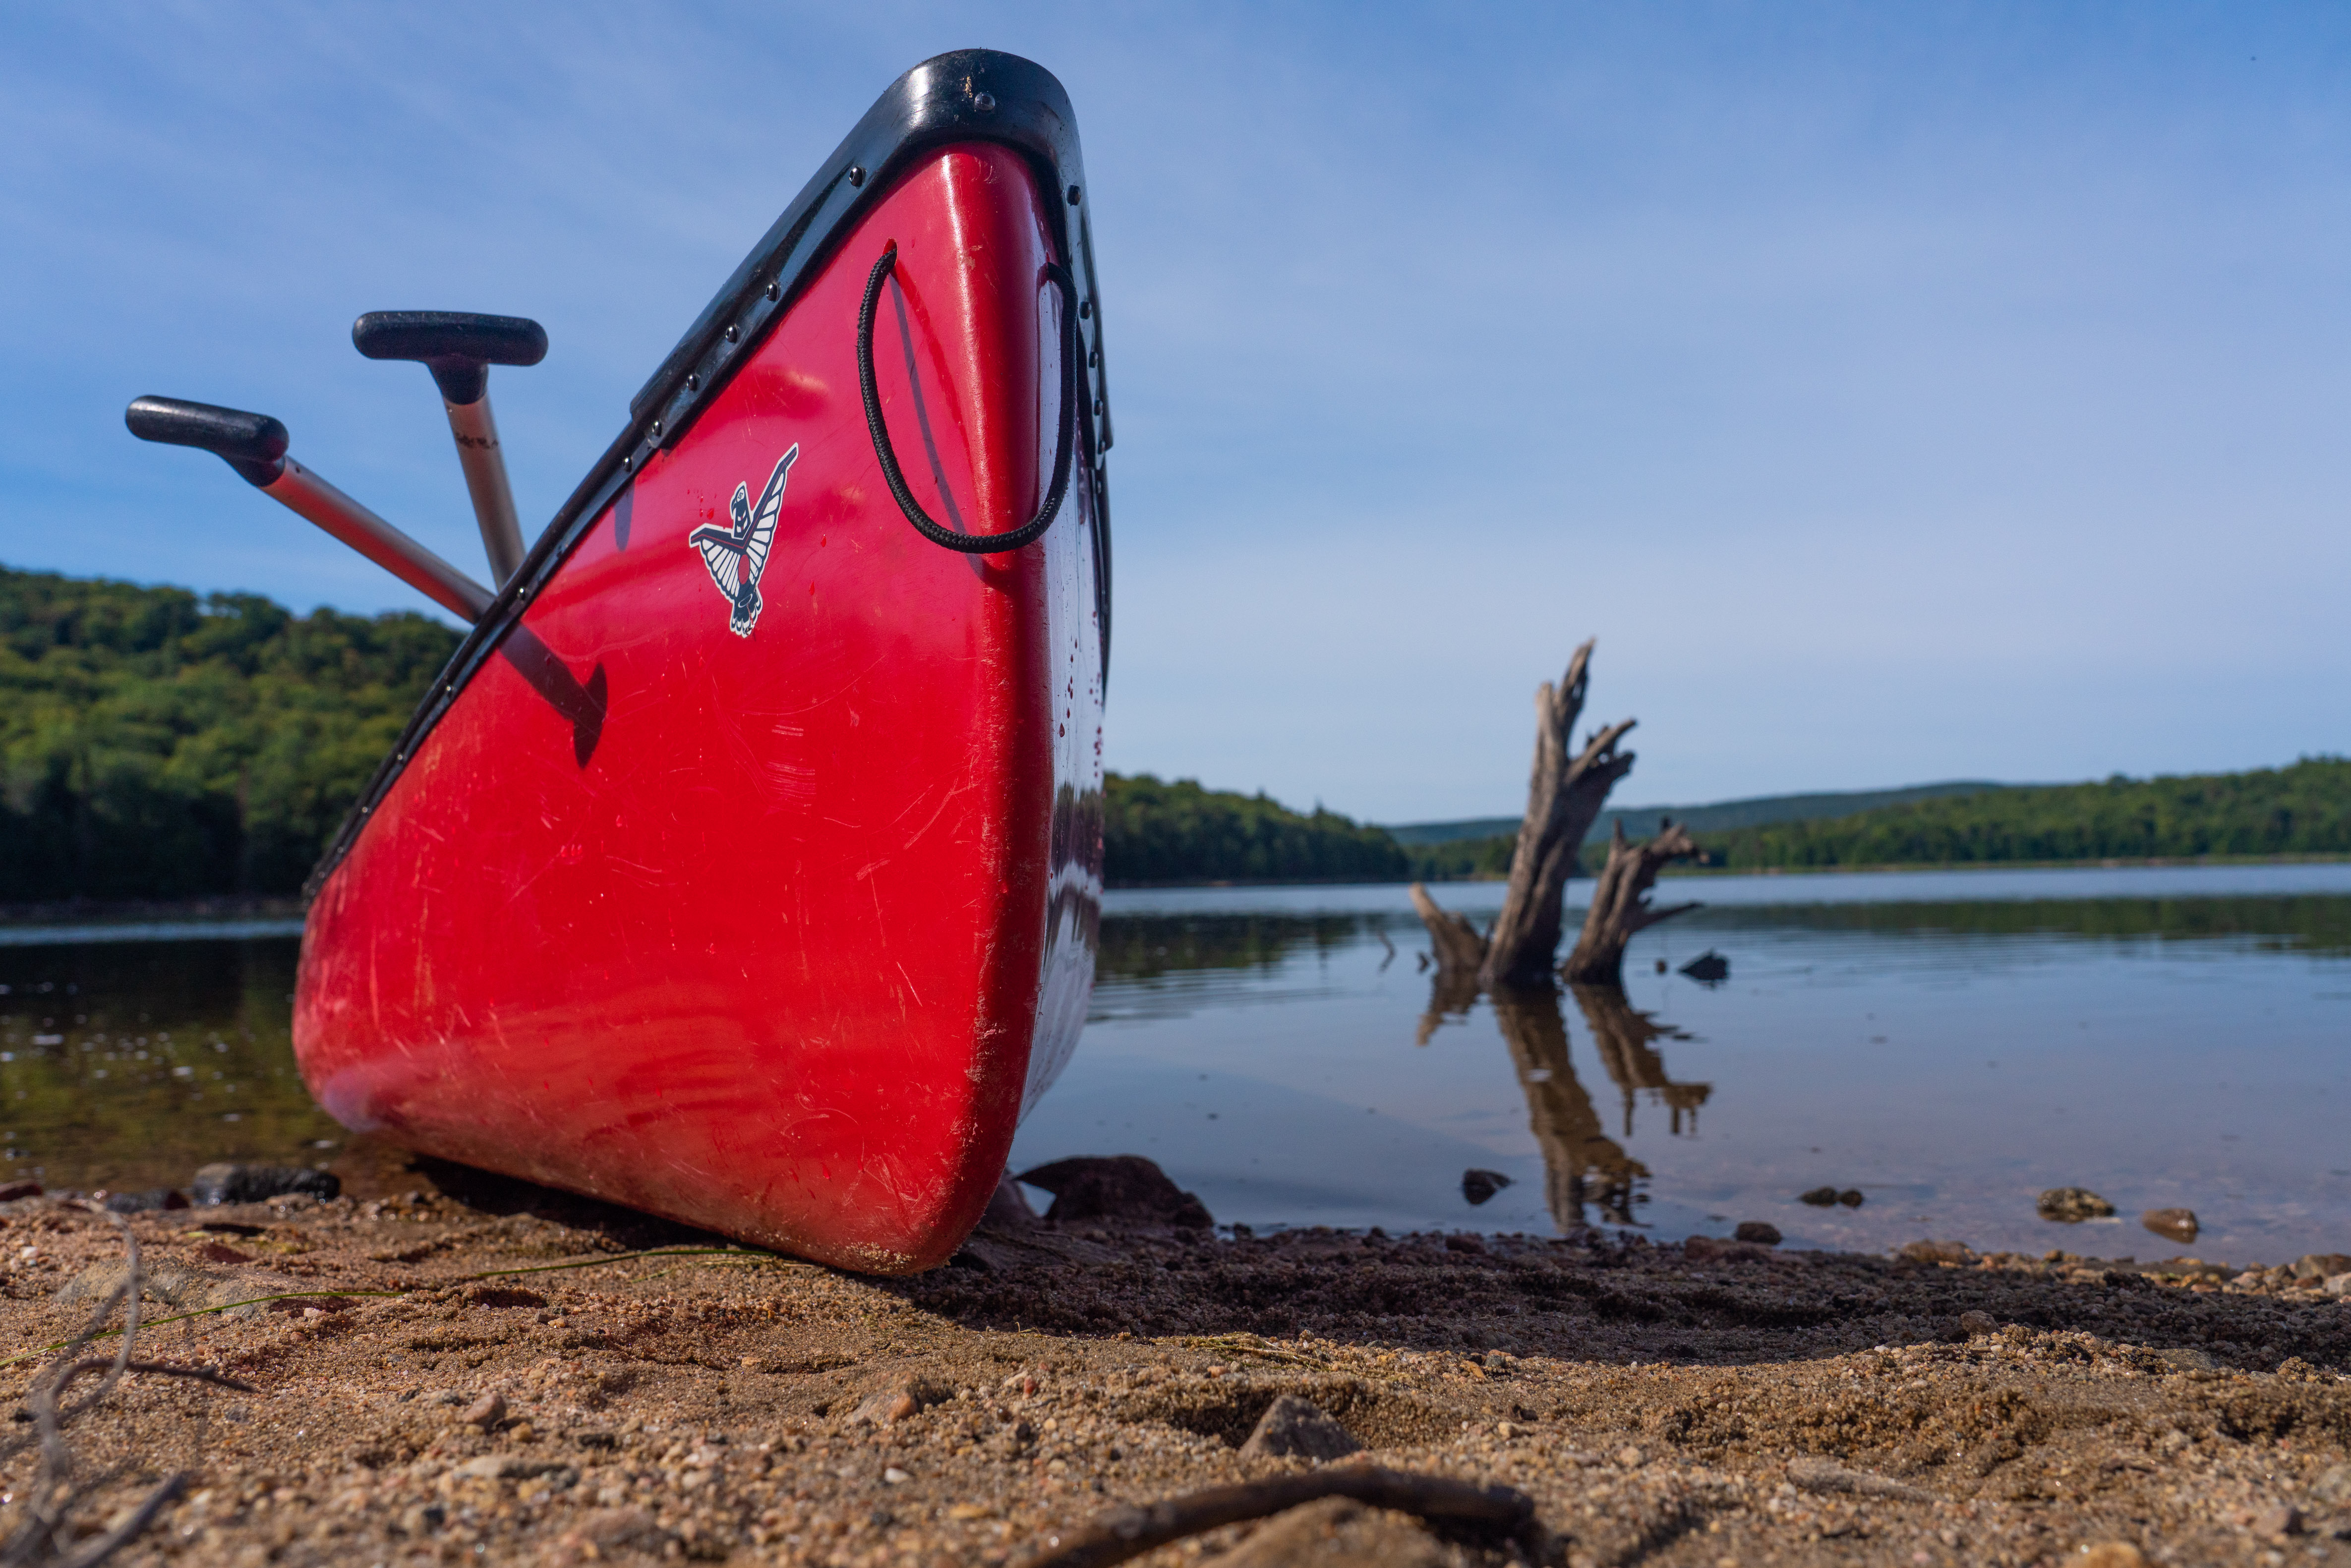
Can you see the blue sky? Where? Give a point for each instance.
(1897, 393)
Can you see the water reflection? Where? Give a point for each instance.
(129, 1064)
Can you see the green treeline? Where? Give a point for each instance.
(1158, 832)
(2301, 809)
(155, 744)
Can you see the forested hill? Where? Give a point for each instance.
(2301, 809)
(1162, 832)
(155, 744)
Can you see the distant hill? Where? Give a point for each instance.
(1642, 820)
(2302, 810)
(1158, 831)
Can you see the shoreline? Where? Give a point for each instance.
(487, 1371)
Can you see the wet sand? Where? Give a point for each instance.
(1706, 1405)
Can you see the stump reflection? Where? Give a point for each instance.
(1582, 1165)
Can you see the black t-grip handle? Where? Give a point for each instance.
(252, 443)
(456, 346)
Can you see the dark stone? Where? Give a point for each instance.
(1758, 1232)
(2171, 1224)
(1464, 1243)
(17, 1189)
(1117, 1186)
(1291, 1425)
(2072, 1205)
(224, 1183)
(1479, 1186)
(2321, 1265)
(1850, 1198)
(1709, 969)
(142, 1202)
(1819, 1198)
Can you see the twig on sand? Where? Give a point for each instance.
(1125, 1532)
(53, 1494)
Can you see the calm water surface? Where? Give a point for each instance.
(1947, 1044)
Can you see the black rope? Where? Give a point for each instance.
(948, 538)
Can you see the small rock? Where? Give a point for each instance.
(1978, 1323)
(2337, 1284)
(2278, 1519)
(1291, 1425)
(1939, 1252)
(1709, 969)
(888, 1406)
(610, 1527)
(509, 1468)
(1477, 1186)
(2319, 1265)
(2333, 1485)
(1708, 1250)
(2110, 1555)
(225, 1183)
(1850, 1198)
(1120, 1187)
(487, 1411)
(11, 1191)
(2188, 1358)
(1462, 1241)
(2072, 1205)
(2171, 1224)
(1827, 1475)
(1630, 1456)
(895, 1477)
(1819, 1198)
(146, 1202)
(1757, 1232)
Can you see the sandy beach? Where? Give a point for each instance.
(530, 1386)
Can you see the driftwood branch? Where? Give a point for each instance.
(1620, 903)
(1128, 1532)
(1565, 791)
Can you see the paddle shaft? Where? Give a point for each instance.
(303, 492)
(476, 433)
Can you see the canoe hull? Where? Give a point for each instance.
(769, 912)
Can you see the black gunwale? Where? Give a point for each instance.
(964, 95)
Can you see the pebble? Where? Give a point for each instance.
(2321, 1265)
(1924, 1251)
(2279, 1519)
(1294, 1426)
(1757, 1232)
(1478, 1186)
(1117, 1186)
(2110, 1555)
(1978, 1324)
(2071, 1205)
(888, 1406)
(487, 1411)
(2171, 1224)
(1827, 1475)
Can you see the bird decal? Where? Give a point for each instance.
(737, 555)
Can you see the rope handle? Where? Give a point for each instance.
(946, 538)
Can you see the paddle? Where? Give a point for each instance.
(254, 445)
(459, 350)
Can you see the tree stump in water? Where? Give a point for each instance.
(1564, 796)
(1620, 903)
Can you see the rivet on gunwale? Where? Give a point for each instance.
(628, 460)
(985, 102)
(732, 334)
(1098, 406)
(1073, 195)
(1094, 358)
(775, 289)
(654, 428)
(1085, 310)
(694, 381)
(856, 175)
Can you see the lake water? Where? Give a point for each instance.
(1946, 1044)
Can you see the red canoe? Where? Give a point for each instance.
(745, 866)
